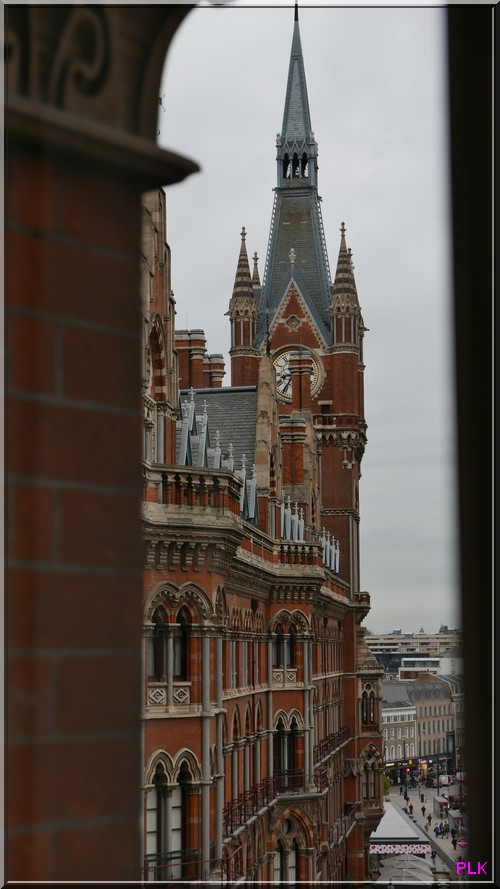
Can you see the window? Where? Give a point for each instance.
(232, 664)
(278, 647)
(244, 654)
(156, 651)
(279, 864)
(368, 707)
(181, 644)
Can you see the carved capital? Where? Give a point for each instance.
(84, 80)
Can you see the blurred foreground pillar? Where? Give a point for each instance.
(81, 120)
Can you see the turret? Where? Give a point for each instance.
(347, 330)
(243, 316)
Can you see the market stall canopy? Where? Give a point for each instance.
(406, 868)
(396, 835)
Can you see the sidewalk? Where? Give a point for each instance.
(446, 856)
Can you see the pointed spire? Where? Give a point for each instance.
(296, 118)
(243, 281)
(255, 274)
(344, 285)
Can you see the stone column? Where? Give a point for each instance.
(205, 752)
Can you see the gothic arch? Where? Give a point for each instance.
(159, 757)
(172, 598)
(301, 827)
(188, 757)
(248, 722)
(258, 717)
(295, 714)
(280, 714)
(236, 725)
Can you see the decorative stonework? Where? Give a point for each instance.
(85, 80)
(293, 322)
(157, 696)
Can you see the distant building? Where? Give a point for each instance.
(437, 705)
(413, 667)
(390, 648)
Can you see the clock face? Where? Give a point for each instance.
(283, 376)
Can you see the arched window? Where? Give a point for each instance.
(279, 753)
(304, 167)
(292, 745)
(156, 653)
(293, 863)
(364, 707)
(181, 645)
(286, 167)
(278, 647)
(295, 166)
(182, 867)
(291, 647)
(371, 782)
(371, 708)
(279, 864)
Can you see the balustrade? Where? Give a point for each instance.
(194, 488)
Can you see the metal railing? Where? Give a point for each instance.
(181, 865)
(187, 865)
(331, 743)
(290, 781)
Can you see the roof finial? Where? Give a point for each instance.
(243, 233)
(296, 16)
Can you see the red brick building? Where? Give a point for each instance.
(262, 746)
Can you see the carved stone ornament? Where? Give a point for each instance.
(293, 322)
(353, 767)
(86, 80)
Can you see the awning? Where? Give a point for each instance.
(400, 849)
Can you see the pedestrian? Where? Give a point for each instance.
(454, 844)
(436, 828)
(423, 811)
(405, 810)
(453, 833)
(410, 807)
(401, 790)
(429, 819)
(433, 856)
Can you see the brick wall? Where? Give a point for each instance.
(73, 545)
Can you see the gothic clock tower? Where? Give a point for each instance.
(313, 329)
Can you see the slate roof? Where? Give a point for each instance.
(297, 223)
(296, 116)
(232, 411)
(395, 693)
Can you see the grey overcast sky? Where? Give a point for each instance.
(377, 90)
